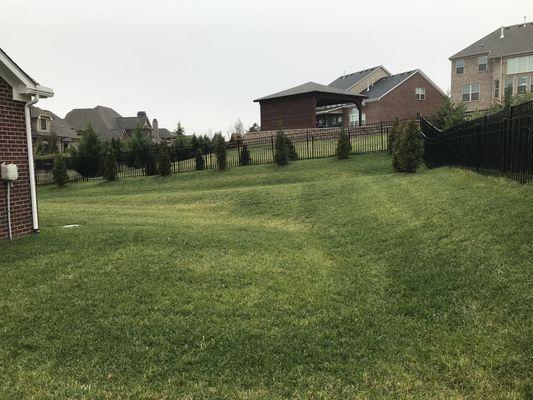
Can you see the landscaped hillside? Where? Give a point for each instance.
(321, 280)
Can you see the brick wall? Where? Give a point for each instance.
(13, 150)
(289, 113)
(402, 103)
(472, 75)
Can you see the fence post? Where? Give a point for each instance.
(307, 143)
(381, 135)
(273, 150)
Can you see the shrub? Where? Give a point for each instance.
(59, 171)
(199, 160)
(150, 166)
(293, 155)
(449, 115)
(110, 164)
(281, 150)
(344, 146)
(220, 151)
(408, 149)
(87, 157)
(393, 135)
(140, 149)
(244, 157)
(163, 160)
(118, 151)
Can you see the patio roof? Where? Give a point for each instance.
(325, 94)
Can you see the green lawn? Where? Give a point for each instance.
(321, 280)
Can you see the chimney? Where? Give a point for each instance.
(502, 35)
(141, 114)
(525, 21)
(155, 130)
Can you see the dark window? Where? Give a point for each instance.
(44, 125)
(508, 89)
(496, 88)
(459, 66)
(522, 85)
(482, 63)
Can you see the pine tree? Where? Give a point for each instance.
(116, 145)
(244, 157)
(409, 149)
(110, 164)
(195, 143)
(87, 157)
(150, 166)
(281, 150)
(344, 146)
(293, 155)
(140, 148)
(163, 160)
(59, 171)
(52, 144)
(199, 160)
(394, 133)
(180, 131)
(220, 151)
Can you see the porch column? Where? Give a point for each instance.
(360, 108)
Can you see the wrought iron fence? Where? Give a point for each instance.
(309, 144)
(501, 143)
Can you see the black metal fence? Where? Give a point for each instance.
(310, 144)
(501, 143)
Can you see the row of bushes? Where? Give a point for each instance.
(93, 158)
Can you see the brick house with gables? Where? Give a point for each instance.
(18, 91)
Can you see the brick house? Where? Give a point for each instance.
(379, 96)
(498, 64)
(405, 95)
(18, 91)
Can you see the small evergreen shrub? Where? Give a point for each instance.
(344, 146)
(150, 164)
(199, 160)
(88, 156)
(408, 149)
(163, 160)
(281, 150)
(220, 151)
(244, 157)
(59, 171)
(394, 133)
(293, 155)
(110, 165)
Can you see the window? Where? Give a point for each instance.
(354, 117)
(497, 89)
(508, 89)
(420, 93)
(482, 63)
(44, 124)
(522, 85)
(471, 92)
(519, 65)
(459, 66)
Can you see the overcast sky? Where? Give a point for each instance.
(204, 61)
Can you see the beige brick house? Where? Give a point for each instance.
(500, 63)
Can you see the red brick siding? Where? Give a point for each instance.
(290, 113)
(401, 102)
(13, 149)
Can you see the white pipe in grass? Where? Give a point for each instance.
(33, 190)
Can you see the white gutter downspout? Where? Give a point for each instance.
(31, 166)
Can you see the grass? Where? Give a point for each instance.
(321, 280)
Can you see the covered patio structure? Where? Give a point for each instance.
(296, 108)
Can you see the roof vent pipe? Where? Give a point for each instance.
(502, 35)
(524, 21)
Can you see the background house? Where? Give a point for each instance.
(405, 95)
(499, 64)
(45, 123)
(109, 124)
(363, 97)
(17, 91)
